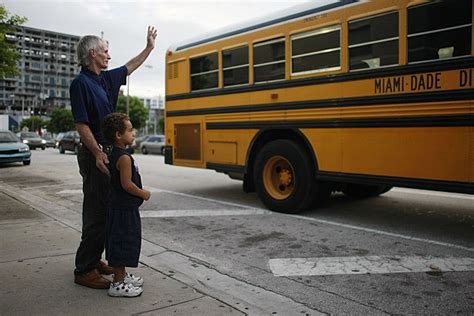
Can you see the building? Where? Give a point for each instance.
(46, 67)
(156, 108)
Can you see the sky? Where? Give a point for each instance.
(124, 24)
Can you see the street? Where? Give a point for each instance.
(405, 252)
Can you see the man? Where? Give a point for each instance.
(94, 93)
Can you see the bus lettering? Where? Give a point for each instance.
(465, 78)
(425, 82)
(389, 85)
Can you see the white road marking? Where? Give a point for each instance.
(70, 192)
(183, 213)
(434, 193)
(264, 211)
(381, 232)
(203, 198)
(367, 265)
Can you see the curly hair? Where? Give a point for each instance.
(113, 123)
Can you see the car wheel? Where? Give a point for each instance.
(43, 148)
(144, 150)
(27, 162)
(61, 149)
(76, 149)
(163, 151)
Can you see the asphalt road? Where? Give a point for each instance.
(406, 252)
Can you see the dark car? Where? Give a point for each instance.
(12, 149)
(70, 141)
(33, 140)
(153, 145)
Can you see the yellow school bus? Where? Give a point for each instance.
(351, 96)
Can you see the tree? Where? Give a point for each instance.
(8, 54)
(138, 112)
(161, 124)
(61, 121)
(33, 123)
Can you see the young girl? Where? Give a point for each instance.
(123, 221)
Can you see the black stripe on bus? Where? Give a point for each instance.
(441, 65)
(437, 185)
(268, 23)
(428, 121)
(456, 95)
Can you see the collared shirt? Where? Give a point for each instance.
(95, 96)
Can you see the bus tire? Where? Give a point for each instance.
(284, 177)
(360, 191)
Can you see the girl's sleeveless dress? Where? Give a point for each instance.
(124, 232)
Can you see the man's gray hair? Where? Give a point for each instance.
(86, 43)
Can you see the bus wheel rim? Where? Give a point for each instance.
(279, 178)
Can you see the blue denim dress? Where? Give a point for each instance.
(124, 230)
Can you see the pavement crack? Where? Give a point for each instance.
(168, 306)
(39, 257)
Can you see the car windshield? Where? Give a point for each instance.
(8, 137)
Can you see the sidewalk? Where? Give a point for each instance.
(37, 260)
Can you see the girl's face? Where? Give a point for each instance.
(128, 136)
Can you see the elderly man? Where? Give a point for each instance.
(94, 93)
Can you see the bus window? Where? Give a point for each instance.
(269, 60)
(235, 64)
(373, 41)
(316, 51)
(204, 72)
(440, 29)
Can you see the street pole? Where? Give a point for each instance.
(128, 96)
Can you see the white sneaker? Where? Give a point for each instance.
(124, 290)
(132, 279)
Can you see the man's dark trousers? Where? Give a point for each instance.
(96, 189)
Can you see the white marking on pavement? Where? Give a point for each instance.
(367, 265)
(183, 213)
(369, 230)
(381, 232)
(203, 198)
(434, 193)
(70, 192)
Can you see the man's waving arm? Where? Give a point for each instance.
(137, 61)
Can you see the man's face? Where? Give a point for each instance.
(100, 56)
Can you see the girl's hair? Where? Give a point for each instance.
(113, 123)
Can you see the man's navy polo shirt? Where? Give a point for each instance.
(95, 96)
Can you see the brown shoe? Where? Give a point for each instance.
(104, 268)
(92, 279)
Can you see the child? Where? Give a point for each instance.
(123, 221)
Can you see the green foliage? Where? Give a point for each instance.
(8, 54)
(61, 121)
(161, 125)
(33, 123)
(138, 112)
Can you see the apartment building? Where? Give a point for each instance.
(46, 68)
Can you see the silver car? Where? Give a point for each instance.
(153, 145)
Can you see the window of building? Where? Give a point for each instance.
(373, 41)
(269, 60)
(315, 51)
(439, 29)
(235, 64)
(204, 72)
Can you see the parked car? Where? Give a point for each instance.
(12, 149)
(139, 140)
(33, 140)
(70, 141)
(58, 138)
(50, 142)
(153, 145)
